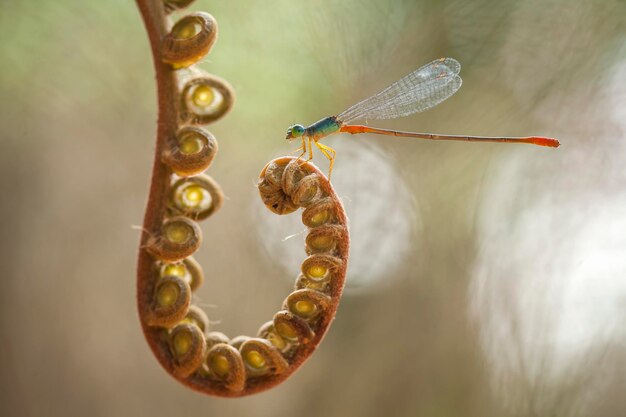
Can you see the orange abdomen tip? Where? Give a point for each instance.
(542, 141)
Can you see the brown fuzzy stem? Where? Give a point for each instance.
(155, 21)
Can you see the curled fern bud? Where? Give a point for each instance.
(305, 283)
(306, 192)
(284, 174)
(323, 212)
(170, 303)
(293, 328)
(188, 347)
(171, 5)
(189, 270)
(213, 338)
(274, 171)
(301, 186)
(237, 341)
(197, 316)
(271, 190)
(324, 239)
(196, 197)
(276, 200)
(320, 267)
(178, 238)
(226, 365)
(262, 358)
(267, 331)
(190, 40)
(191, 151)
(307, 304)
(205, 98)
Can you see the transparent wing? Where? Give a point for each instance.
(418, 91)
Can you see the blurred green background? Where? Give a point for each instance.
(485, 279)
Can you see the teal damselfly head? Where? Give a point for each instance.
(295, 131)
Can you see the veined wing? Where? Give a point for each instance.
(418, 91)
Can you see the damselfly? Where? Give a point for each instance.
(418, 91)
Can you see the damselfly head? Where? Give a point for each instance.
(295, 131)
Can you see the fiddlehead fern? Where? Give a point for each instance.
(181, 194)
